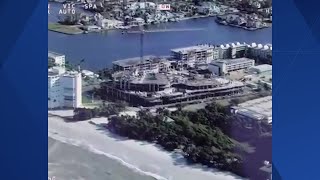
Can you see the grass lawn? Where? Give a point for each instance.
(64, 28)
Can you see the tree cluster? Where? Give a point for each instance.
(51, 64)
(106, 74)
(200, 139)
(70, 19)
(208, 136)
(82, 114)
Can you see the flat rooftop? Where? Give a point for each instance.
(71, 74)
(136, 61)
(57, 71)
(54, 54)
(261, 68)
(152, 78)
(232, 61)
(193, 48)
(258, 108)
(206, 81)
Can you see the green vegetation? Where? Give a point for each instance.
(105, 74)
(70, 19)
(69, 66)
(82, 114)
(51, 64)
(66, 29)
(210, 136)
(246, 5)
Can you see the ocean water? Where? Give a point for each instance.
(68, 162)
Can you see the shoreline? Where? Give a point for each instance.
(66, 33)
(80, 144)
(81, 162)
(241, 27)
(177, 19)
(78, 31)
(64, 29)
(142, 157)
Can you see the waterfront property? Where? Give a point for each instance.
(234, 55)
(225, 66)
(245, 21)
(206, 53)
(157, 81)
(195, 54)
(103, 54)
(234, 50)
(64, 87)
(260, 51)
(147, 63)
(152, 89)
(145, 82)
(238, 50)
(56, 58)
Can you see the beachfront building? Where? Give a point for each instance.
(194, 54)
(224, 66)
(152, 89)
(56, 59)
(64, 88)
(146, 64)
(255, 110)
(145, 82)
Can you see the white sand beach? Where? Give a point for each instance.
(142, 157)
